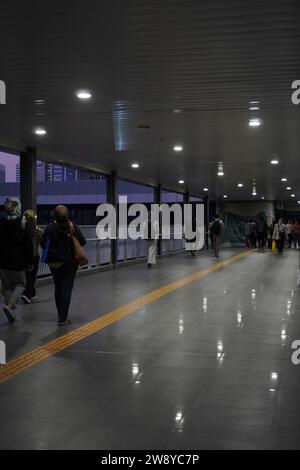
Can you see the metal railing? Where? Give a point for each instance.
(98, 252)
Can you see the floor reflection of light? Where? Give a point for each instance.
(239, 318)
(220, 354)
(274, 376)
(135, 369)
(205, 304)
(181, 326)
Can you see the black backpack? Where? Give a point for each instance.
(216, 227)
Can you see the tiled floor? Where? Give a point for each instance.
(205, 367)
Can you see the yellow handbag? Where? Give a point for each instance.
(274, 246)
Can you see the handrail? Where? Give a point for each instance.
(98, 251)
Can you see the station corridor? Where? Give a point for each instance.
(202, 362)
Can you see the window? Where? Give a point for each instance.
(81, 190)
(136, 193)
(171, 197)
(9, 176)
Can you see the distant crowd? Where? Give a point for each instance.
(276, 236)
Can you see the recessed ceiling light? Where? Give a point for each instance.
(225, 196)
(240, 185)
(284, 180)
(288, 188)
(177, 111)
(205, 189)
(275, 161)
(178, 148)
(40, 131)
(39, 101)
(262, 197)
(83, 94)
(255, 122)
(135, 165)
(254, 193)
(220, 173)
(293, 195)
(254, 102)
(254, 108)
(181, 181)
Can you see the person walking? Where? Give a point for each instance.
(29, 293)
(217, 231)
(59, 245)
(248, 234)
(211, 236)
(289, 232)
(297, 234)
(270, 234)
(153, 236)
(16, 255)
(262, 233)
(279, 235)
(253, 234)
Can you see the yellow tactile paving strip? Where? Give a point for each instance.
(29, 359)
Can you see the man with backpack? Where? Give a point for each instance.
(217, 229)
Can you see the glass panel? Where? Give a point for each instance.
(81, 190)
(9, 176)
(171, 197)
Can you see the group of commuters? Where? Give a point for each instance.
(259, 234)
(21, 241)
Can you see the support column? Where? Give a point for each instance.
(206, 220)
(186, 198)
(112, 198)
(157, 200)
(28, 178)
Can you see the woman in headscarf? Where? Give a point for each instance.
(16, 255)
(29, 293)
(58, 241)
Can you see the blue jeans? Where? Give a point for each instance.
(64, 278)
(13, 285)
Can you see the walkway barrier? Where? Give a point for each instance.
(98, 251)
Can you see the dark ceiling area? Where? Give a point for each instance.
(161, 73)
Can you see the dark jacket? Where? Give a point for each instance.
(16, 245)
(61, 244)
